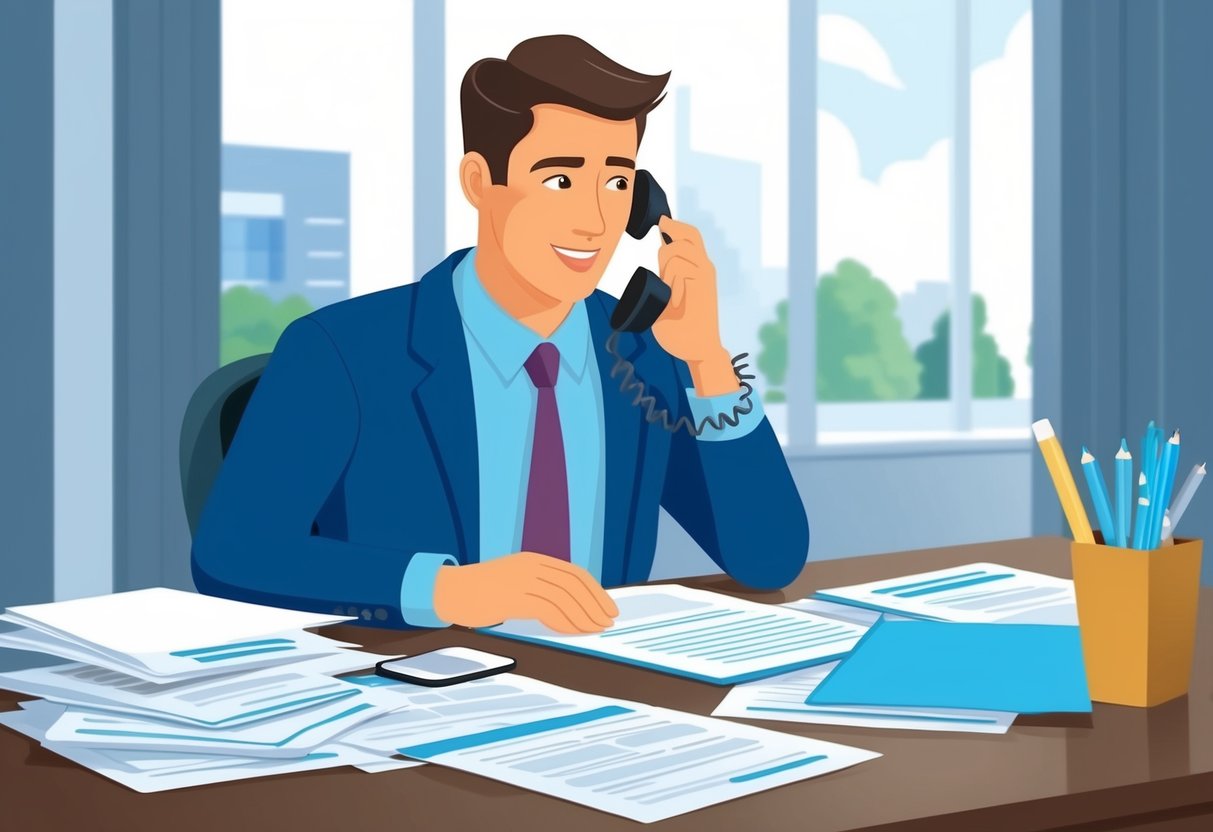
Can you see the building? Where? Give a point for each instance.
(285, 222)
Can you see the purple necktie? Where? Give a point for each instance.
(545, 528)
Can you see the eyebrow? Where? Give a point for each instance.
(621, 162)
(559, 162)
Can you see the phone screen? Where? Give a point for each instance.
(446, 666)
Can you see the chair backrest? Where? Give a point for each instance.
(210, 423)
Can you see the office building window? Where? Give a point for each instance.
(924, 136)
(317, 160)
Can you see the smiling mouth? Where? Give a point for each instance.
(576, 259)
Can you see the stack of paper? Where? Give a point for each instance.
(173, 689)
(164, 635)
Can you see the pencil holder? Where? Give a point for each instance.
(1137, 619)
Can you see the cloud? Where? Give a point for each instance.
(846, 42)
(899, 225)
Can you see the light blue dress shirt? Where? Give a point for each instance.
(498, 346)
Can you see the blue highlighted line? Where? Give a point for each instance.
(670, 622)
(766, 772)
(945, 587)
(887, 589)
(198, 651)
(221, 657)
(433, 749)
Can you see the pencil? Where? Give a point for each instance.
(1063, 481)
(1195, 477)
(1099, 495)
(1167, 464)
(1124, 486)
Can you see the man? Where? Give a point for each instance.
(455, 451)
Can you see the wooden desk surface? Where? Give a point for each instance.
(1118, 768)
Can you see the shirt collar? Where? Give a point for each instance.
(506, 343)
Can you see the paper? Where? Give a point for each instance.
(289, 735)
(166, 632)
(157, 771)
(227, 701)
(1027, 668)
(783, 697)
(289, 647)
(625, 758)
(975, 592)
(702, 635)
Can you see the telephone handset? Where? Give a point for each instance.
(641, 304)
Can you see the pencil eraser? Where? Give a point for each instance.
(1043, 430)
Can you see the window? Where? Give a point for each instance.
(923, 207)
(317, 160)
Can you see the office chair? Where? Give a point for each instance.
(210, 423)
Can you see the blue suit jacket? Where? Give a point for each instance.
(359, 448)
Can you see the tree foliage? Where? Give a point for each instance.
(250, 322)
(991, 371)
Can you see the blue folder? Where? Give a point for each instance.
(1023, 668)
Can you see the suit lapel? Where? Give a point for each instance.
(623, 451)
(444, 399)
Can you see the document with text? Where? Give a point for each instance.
(974, 593)
(702, 635)
(624, 758)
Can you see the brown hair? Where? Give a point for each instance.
(497, 96)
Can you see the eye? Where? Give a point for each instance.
(617, 183)
(561, 182)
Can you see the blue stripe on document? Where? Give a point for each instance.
(945, 587)
(109, 732)
(222, 657)
(433, 749)
(887, 589)
(766, 772)
(197, 651)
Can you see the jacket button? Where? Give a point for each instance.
(366, 615)
(381, 615)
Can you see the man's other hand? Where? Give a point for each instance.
(561, 596)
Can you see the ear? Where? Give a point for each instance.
(474, 177)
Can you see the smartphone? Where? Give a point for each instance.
(448, 666)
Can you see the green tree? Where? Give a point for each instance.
(773, 359)
(862, 354)
(991, 372)
(250, 322)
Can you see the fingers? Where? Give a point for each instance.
(684, 250)
(599, 595)
(552, 615)
(680, 230)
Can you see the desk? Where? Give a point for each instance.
(1120, 768)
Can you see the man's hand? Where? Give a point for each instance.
(563, 597)
(689, 328)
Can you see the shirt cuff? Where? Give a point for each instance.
(417, 589)
(714, 406)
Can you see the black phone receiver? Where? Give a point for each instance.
(642, 303)
(646, 295)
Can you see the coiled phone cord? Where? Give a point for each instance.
(649, 403)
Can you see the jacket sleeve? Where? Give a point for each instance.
(254, 541)
(737, 499)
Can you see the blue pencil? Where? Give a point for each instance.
(1149, 457)
(1124, 491)
(1161, 490)
(1099, 494)
(1143, 510)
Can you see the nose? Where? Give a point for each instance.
(589, 219)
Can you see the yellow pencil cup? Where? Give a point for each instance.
(1137, 618)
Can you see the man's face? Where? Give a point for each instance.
(566, 201)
